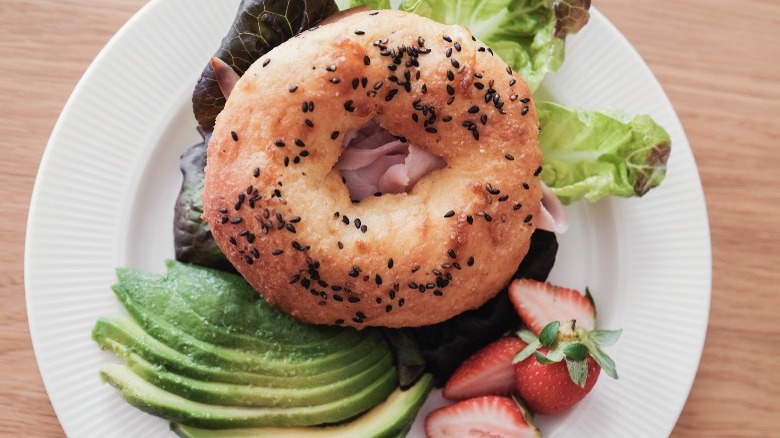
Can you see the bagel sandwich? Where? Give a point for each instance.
(379, 170)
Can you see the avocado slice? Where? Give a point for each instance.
(156, 401)
(227, 394)
(122, 336)
(391, 418)
(221, 309)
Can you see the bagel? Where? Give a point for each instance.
(283, 216)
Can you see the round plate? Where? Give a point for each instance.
(109, 177)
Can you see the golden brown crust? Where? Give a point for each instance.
(284, 218)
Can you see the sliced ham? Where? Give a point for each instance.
(376, 161)
(552, 216)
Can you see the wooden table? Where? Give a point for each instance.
(718, 60)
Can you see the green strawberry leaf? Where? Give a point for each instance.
(549, 332)
(605, 362)
(592, 301)
(605, 338)
(575, 351)
(527, 336)
(542, 358)
(526, 352)
(578, 371)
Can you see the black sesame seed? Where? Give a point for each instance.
(364, 81)
(348, 106)
(483, 119)
(470, 219)
(438, 293)
(366, 60)
(304, 153)
(234, 135)
(528, 218)
(378, 280)
(256, 172)
(293, 88)
(388, 308)
(457, 46)
(450, 90)
(430, 129)
(345, 219)
(353, 299)
(447, 38)
(331, 68)
(340, 245)
(276, 252)
(309, 123)
(488, 218)
(415, 118)
(290, 227)
(446, 119)
(526, 186)
(305, 107)
(512, 82)
(479, 85)
(450, 100)
(474, 109)
(452, 253)
(223, 210)
(266, 62)
(401, 302)
(363, 229)
(525, 110)
(390, 264)
(481, 49)
(509, 157)
(450, 213)
(450, 75)
(503, 198)
(455, 63)
(357, 222)
(334, 135)
(359, 32)
(249, 260)
(391, 95)
(286, 161)
(525, 100)
(355, 83)
(236, 220)
(279, 143)
(475, 134)
(224, 219)
(538, 171)
(448, 52)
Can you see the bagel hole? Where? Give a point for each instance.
(375, 162)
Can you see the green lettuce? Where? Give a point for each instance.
(527, 34)
(259, 26)
(597, 154)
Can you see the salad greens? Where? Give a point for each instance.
(259, 26)
(597, 154)
(192, 237)
(527, 34)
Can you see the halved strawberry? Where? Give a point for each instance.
(539, 304)
(489, 371)
(487, 416)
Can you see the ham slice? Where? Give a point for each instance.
(552, 216)
(375, 161)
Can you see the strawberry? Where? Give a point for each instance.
(548, 389)
(539, 303)
(489, 371)
(565, 345)
(486, 416)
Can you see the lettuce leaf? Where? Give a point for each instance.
(259, 26)
(597, 154)
(192, 236)
(527, 34)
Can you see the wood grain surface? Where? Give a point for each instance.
(718, 60)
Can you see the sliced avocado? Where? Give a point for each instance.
(156, 401)
(122, 336)
(221, 309)
(228, 394)
(391, 418)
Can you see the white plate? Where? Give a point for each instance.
(109, 176)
